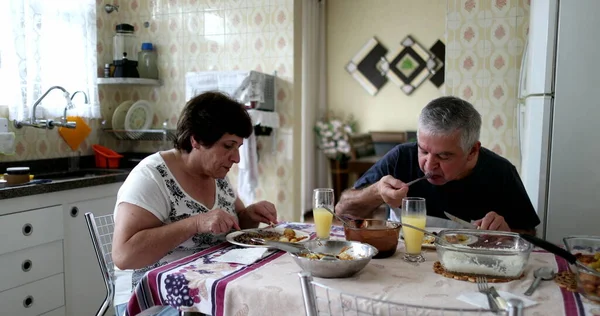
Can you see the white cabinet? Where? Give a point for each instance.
(84, 286)
(47, 261)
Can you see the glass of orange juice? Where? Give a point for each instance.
(322, 202)
(413, 213)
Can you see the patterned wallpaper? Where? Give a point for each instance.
(194, 35)
(210, 35)
(484, 49)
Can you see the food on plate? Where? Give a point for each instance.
(428, 240)
(589, 282)
(317, 256)
(456, 239)
(289, 235)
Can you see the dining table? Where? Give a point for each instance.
(271, 285)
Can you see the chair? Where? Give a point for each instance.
(101, 231)
(321, 300)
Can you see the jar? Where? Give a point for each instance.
(147, 62)
(124, 43)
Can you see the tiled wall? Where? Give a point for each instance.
(206, 35)
(484, 49)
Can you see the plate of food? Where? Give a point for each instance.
(428, 241)
(244, 237)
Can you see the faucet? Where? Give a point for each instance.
(49, 124)
(63, 122)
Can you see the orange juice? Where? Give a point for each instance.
(412, 237)
(323, 221)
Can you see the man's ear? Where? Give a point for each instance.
(474, 150)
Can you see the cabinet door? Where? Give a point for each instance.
(84, 287)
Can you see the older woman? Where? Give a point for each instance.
(177, 202)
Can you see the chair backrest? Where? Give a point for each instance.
(101, 230)
(361, 145)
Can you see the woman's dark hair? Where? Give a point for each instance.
(209, 116)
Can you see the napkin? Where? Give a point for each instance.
(243, 256)
(480, 299)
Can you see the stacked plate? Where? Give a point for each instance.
(132, 117)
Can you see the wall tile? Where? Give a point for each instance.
(496, 31)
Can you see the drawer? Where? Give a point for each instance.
(34, 298)
(31, 228)
(27, 265)
(57, 312)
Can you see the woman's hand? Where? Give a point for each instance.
(262, 211)
(216, 222)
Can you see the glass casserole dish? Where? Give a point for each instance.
(483, 253)
(587, 268)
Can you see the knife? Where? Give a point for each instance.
(464, 223)
(501, 301)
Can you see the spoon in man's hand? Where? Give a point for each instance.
(426, 176)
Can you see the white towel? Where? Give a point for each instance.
(243, 256)
(7, 143)
(248, 171)
(479, 299)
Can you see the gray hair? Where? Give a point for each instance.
(445, 115)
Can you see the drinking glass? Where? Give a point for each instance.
(413, 213)
(323, 200)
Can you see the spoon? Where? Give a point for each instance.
(426, 176)
(543, 273)
(338, 217)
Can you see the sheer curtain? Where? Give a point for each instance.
(315, 170)
(48, 43)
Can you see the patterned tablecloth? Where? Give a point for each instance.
(271, 286)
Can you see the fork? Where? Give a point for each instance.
(483, 287)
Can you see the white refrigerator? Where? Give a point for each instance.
(559, 114)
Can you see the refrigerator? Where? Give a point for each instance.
(558, 116)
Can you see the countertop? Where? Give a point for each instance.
(42, 167)
(61, 185)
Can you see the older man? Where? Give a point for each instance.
(467, 180)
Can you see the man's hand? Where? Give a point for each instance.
(262, 211)
(492, 221)
(392, 190)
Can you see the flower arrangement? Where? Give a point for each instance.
(333, 137)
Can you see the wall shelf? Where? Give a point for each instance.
(130, 81)
(142, 134)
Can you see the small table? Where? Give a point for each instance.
(233, 289)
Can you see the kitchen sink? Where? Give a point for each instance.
(79, 174)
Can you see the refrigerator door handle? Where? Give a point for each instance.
(520, 109)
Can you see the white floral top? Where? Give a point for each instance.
(151, 186)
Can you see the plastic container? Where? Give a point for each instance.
(106, 158)
(483, 253)
(587, 268)
(147, 62)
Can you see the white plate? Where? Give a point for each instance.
(118, 117)
(429, 229)
(230, 237)
(139, 117)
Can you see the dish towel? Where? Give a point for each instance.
(243, 256)
(248, 171)
(7, 143)
(479, 299)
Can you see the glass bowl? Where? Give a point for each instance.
(587, 268)
(483, 253)
(381, 234)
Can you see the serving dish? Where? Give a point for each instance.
(587, 268)
(381, 234)
(482, 252)
(361, 255)
(234, 237)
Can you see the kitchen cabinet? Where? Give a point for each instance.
(47, 261)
